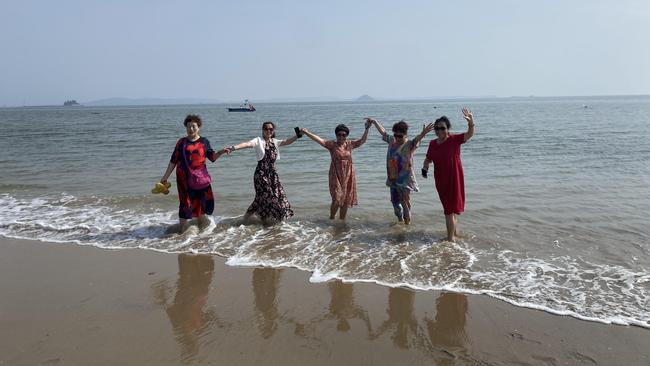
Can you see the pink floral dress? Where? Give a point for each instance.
(342, 180)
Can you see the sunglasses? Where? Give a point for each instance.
(398, 135)
(441, 128)
(342, 134)
(268, 128)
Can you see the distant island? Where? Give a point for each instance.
(71, 102)
(365, 98)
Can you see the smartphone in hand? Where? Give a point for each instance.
(298, 132)
(424, 173)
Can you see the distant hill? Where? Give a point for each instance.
(365, 98)
(149, 101)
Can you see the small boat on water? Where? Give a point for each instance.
(245, 107)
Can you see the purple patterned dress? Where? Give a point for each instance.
(270, 200)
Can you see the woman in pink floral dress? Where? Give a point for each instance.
(342, 181)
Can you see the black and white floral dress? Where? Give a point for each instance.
(270, 200)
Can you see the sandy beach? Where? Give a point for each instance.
(65, 304)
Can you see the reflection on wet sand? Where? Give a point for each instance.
(401, 321)
(444, 336)
(342, 306)
(441, 337)
(447, 330)
(265, 287)
(186, 313)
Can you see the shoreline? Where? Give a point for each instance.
(74, 304)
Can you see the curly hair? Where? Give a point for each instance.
(193, 118)
(401, 127)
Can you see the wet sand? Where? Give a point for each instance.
(63, 304)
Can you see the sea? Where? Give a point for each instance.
(556, 215)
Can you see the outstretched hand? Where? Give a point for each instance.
(427, 128)
(469, 117)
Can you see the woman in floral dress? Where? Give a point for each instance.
(270, 202)
(342, 180)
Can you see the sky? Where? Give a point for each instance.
(89, 50)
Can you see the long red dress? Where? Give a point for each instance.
(193, 202)
(448, 172)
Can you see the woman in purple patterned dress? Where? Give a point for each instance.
(270, 203)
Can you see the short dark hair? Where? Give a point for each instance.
(272, 124)
(445, 120)
(343, 128)
(193, 118)
(401, 127)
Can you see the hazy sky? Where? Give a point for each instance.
(88, 50)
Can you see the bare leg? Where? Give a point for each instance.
(333, 208)
(344, 211)
(203, 221)
(183, 225)
(450, 220)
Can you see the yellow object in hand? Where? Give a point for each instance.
(161, 188)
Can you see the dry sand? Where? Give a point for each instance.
(64, 304)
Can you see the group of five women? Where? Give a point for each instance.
(270, 203)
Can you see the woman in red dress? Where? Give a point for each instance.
(190, 154)
(444, 153)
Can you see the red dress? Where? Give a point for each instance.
(448, 172)
(193, 202)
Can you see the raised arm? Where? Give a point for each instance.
(380, 128)
(469, 117)
(364, 137)
(425, 129)
(288, 141)
(314, 137)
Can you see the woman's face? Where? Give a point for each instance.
(192, 129)
(267, 130)
(441, 130)
(341, 136)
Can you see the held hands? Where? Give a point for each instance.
(229, 149)
(469, 117)
(369, 122)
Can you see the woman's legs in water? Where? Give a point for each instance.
(396, 200)
(333, 208)
(451, 222)
(183, 224)
(406, 205)
(401, 200)
(344, 212)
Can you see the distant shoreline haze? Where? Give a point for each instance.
(116, 102)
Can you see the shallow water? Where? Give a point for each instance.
(557, 196)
